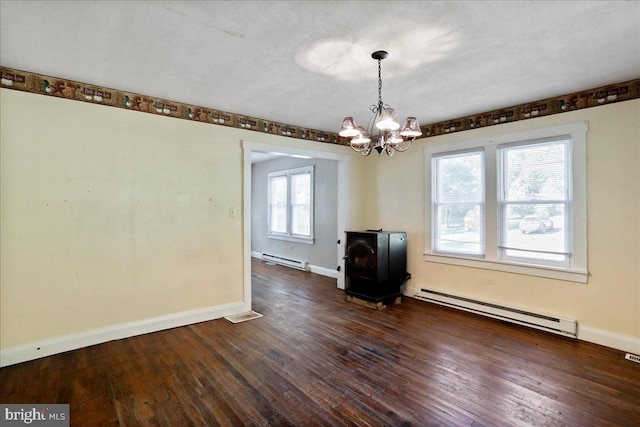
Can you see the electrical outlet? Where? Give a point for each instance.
(232, 213)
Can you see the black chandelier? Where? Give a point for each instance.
(388, 136)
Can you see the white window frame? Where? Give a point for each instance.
(566, 201)
(435, 203)
(289, 235)
(576, 270)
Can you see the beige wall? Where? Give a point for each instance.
(611, 300)
(110, 216)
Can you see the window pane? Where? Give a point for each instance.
(301, 189)
(279, 219)
(459, 178)
(279, 190)
(459, 203)
(278, 204)
(459, 229)
(536, 172)
(300, 204)
(301, 220)
(536, 231)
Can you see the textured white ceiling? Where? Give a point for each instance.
(307, 63)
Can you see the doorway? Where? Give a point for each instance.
(252, 148)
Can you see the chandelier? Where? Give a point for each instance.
(383, 132)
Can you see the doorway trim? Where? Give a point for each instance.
(344, 170)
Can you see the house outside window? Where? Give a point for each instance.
(291, 204)
(513, 202)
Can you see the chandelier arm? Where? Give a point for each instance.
(389, 150)
(359, 150)
(371, 126)
(406, 148)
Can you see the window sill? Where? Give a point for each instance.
(579, 276)
(306, 241)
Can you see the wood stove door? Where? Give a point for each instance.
(361, 260)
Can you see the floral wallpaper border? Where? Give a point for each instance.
(69, 89)
(575, 101)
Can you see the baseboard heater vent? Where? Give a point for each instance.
(294, 263)
(632, 357)
(543, 322)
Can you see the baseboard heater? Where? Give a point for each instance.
(543, 322)
(294, 263)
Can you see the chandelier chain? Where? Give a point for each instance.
(379, 85)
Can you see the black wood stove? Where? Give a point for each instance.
(376, 265)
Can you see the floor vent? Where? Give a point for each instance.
(543, 322)
(243, 317)
(294, 263)
(632, 357)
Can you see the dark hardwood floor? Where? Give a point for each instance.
(316, 360)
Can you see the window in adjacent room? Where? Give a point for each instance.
(291, 204)
(512, 202)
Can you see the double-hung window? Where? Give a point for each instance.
(534, 202)
(291, 204)
(513, 202)
(458, 203)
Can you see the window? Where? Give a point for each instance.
(511, 202)
(291, 204)
(534, 202)
(458, 203)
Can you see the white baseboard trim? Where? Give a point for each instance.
(410, 290)
(48, 347)
(609, 339)
(323, 271)
(585, 333)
